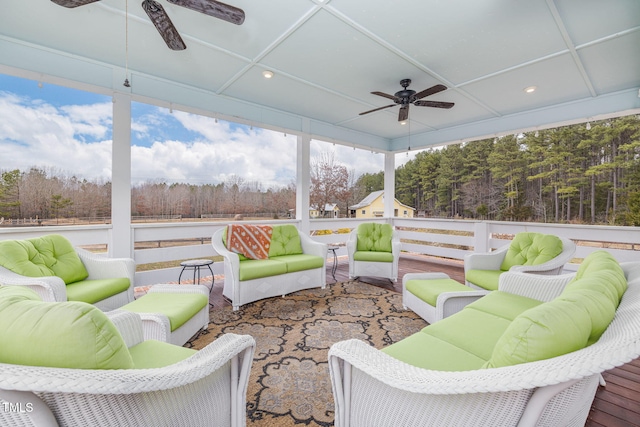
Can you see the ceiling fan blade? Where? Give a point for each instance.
(73, 3)
(376, 109)
(163, 24)
(436, 104)
(403, 114)
(432, 90)
(385, 95)
(213, 8)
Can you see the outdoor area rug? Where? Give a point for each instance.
(289, 383)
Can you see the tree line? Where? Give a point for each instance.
(577, 173)
(566, 174)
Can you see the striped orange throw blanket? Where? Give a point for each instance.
(252, 241)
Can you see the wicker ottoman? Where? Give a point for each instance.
(172, 313)
(434, 296)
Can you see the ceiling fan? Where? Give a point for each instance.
(406, 97)
(162, 22)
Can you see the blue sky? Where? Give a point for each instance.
(68, 131)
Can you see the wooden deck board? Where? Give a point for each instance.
(615, 405)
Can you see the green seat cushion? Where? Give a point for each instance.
(429, 352)
(92, 291)
(429, 289)
(503, 304)
(548, 330)
(374, 237)
(531, 249)
(300, 262)
(157, 354)
(372, 256)
(50, 255)
(473, 331)
(178, 307)
(285, 240)
(57, 334)
(487, 279)
(257, 268)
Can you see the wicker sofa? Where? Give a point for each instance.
(295, 262)
(521, 382)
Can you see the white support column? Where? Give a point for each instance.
(389, 183)
(303, 181)
(121, 244)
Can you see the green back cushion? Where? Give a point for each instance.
(548, 330)
(531, 249)
(285, 240)
(374, 237)
(50, 255)
(57, 334)
(603, 265)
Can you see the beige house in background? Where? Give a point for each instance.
(331, 210)
(372, 206)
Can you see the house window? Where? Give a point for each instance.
(364, 211)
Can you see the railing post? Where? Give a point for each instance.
(481, 237)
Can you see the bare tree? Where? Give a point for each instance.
(329, 182)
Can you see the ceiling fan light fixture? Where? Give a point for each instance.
(530, 89)
(267, 74)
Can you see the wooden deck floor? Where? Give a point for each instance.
(616, 405)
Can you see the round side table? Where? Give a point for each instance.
(334, 267)
(196, 265)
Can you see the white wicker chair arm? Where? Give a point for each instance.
(128, 324)
(49, 288)
(311, 247)
(101, 267)
(449, 303)
(129, 381)
(352, 243)
(542, 288)
(396, 245)
(485, 261)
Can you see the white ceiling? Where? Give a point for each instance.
(582, 55)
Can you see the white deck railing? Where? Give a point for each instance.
(445, 238)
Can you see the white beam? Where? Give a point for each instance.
(303, 181)
(121, 244)
(389, 183)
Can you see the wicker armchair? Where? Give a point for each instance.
(206, 389)
(365, 257)
(52, 288)
(492, 261)
(372, 388)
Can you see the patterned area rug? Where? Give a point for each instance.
(290, 383)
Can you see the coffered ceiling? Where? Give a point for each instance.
(582, 57)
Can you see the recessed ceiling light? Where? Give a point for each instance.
(530, 89)
(267, 74)
(404, 122)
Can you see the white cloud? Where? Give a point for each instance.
(171, 147)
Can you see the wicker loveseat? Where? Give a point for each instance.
(69, 364)
(57, 271)
(295, 262)
(543, 369)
